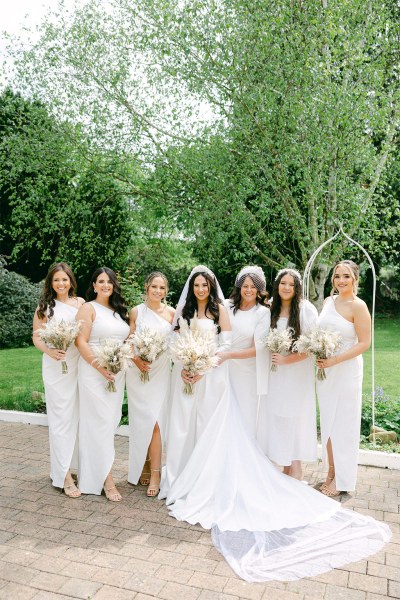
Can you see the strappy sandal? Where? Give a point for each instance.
(115, 497)
(72, 491)
(330, 493)
(329, 479)
(154, 488)
(144, 478)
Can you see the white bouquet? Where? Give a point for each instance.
(195, 348)
(322, 343)
(279, 341)
(60, 335)
(114, 355)
(149, 345)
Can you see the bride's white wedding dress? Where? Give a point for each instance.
(266, 524)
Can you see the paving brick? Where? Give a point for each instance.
(333, 592)
(336, 577)
(250, 591)
(113, 593)
(80, 588)
(389, 572)
(142, 583)
(273, 593)
(209, 595)
(111, 577)
(394, 589)
(368, 583)
(209, 582)
(177, 591)
(307, 586)
(14, 591)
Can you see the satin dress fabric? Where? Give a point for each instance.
(62, 403)
(287, 424)
(267, 525)
(147, 401)
(340, 400)
(100, 410)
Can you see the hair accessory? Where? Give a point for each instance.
(255, 273)
(289, 271)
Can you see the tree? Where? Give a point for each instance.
(304, 105)
(54, 204)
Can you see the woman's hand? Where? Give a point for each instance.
(141, 364)
(325, 363)
(189, 377)
(222, 357)
(56, 354)
(280, 359)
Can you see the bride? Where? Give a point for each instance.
(267, 526)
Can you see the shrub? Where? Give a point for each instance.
(18, 300)
(387, 412)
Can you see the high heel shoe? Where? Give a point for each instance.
(329, 478)
(144, 478)
(154, 488)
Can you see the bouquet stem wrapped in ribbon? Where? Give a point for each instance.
(60, 335)
(279, 341)
(115, 356)
(149, 345)
(195, 348)
(322, 343)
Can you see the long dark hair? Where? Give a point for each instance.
(294, 313)
(236, 296)
(213, 301)
(47, 300)
(116, 300)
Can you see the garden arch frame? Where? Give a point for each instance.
(306, 295)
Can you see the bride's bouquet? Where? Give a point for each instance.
(322, 343)
(149, 345)
(114, 355)
(279, 341)
(195, 348)
(60, 335)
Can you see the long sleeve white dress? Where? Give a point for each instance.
(62, 402)
(287, 424)
(339, 398)
(100, 410)
(147, 401)
(249, 376)
(266, 524)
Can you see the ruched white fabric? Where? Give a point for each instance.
(147, 401)
(62, 403)
(340, 398)
(287, 422)
(266, 524)
(100, 410)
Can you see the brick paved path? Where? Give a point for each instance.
(54, 548)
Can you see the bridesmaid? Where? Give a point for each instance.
(104, 316)
(339, 395)
(147, 401)
(58, 301)
(250, 321)
(287, 428)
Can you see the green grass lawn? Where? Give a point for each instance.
(20, 369)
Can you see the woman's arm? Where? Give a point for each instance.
(86, 315)
(362, 325)
(39, 323)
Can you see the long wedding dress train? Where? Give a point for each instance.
(267, 525)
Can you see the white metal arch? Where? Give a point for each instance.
(306, 295)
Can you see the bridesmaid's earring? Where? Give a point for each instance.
(95, 291)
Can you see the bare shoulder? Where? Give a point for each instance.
(360, 308)
(80, 301)
(86, 311)
(222, 310)
(171, 311)
(133, 313)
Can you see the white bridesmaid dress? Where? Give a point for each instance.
(340, 399)
(147, 401)
(100, 410)
(62, 402)
(287, 424)
(249, 376)
(267, 525)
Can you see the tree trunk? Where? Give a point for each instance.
(317, 293)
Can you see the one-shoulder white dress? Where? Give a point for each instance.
(147, 401)
(62, 402)
(339, 398)
(100, 410)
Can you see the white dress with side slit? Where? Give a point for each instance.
(100, 410)
(339, 398)
(147, 401)
(62, 402)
